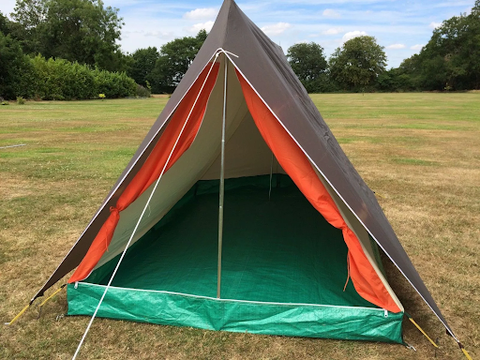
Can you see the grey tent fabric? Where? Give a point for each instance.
(265, 66)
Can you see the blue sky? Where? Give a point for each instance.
(401, 26)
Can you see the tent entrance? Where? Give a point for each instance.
(276, 250)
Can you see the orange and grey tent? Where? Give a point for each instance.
(240, 212)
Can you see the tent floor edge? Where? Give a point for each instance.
(160, 307)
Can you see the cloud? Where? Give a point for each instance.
(416, 47)
(276, 29)
(164, 35)
(331, 31)
(201, 14)
(435, 25)
(396, 46)
(330, 13)
(200, 26)
(353, 34)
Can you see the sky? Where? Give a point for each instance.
(402, 27)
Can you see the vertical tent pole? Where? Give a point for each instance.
(271, 178)
(222, 185)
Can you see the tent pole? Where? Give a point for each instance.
(222, 186)
(271, 178)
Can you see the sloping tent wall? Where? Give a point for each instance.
(264, 67)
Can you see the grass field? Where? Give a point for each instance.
(419, 152)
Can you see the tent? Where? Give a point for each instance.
(240, 212)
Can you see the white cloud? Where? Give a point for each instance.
(330, 13)
(353, 34)
(201, 14)
(200, 26)
(435, 25)
(158, 34)
(396, 46)
(331, 31)
(276, 29)
(416, 47)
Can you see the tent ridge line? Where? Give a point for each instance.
(234, 300)
(341, 197)
(112, 193)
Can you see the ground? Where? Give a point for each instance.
(420, 153)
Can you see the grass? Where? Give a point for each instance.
(418, 152)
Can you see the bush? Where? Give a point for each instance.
(113, 84)
(62, 80)
(20, 100)
(142, 92)
(322, 84)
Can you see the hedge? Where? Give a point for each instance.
(58, 79)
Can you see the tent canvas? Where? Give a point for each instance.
(293, 247)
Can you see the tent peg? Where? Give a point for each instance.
(18, 315)
(467, 355)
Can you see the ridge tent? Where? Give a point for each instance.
(240, 212)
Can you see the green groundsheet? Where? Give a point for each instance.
(277, 251)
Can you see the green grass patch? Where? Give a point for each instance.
(418, 162)
(420, 152)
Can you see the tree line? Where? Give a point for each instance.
(449, 61)
(63, 49)
(48, 47)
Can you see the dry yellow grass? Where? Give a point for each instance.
(419, 152)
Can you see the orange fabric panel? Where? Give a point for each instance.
(292, 159)
(98, 247)
(154, 165)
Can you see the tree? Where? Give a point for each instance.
(358, 63)
(449, 61)
(309, 64)
(29, 24)
(15, 69)
(455, 48)
(143, 63)
(403, 78)
(75, 30)
(4, 24)
(174, 61)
